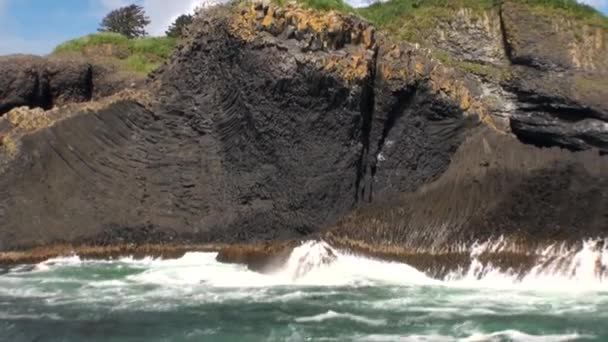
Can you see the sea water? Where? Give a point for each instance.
(311, 298)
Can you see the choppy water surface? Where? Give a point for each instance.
(351, 299)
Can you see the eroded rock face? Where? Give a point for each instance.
(495, 187)
(255, 137)
(471, 36)
(276, 123)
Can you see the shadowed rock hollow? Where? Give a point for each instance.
(48, 82)
(280, 123)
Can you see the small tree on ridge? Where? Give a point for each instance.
(129, 21)
(178, 28)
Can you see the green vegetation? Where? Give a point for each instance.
(487, 71)
(383, 14)
(130, 21)
(412, 19)
(79, 44)
(140, 55)
(408, 18)
(569, 9)
(321, 5)
(179, 27)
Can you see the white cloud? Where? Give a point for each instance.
(595, 3)
(109, 5)
(161, 12)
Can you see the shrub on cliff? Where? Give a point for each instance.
(129, 21)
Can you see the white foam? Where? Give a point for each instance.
(315, 263)
(61, 261)
(509, 335)
(558, 270)
(311, 264)
(337, 315)
(8, 316)
(404, 338)
(515, 335)
(323, 265)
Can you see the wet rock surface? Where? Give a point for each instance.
(277, 124)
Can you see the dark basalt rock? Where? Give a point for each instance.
(251, 141)
(496, 187)
(37, 82)
(265, 258)
(257, 137)
(561, 91)
(47, 82)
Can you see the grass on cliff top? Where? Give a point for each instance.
(386, 13)
(321, 5)
(411, 18)
(140, 55)
(571, 9)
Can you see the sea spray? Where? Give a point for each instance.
(320, 293)
(557, 267)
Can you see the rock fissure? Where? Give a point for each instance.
(367, 114)
(504, 38)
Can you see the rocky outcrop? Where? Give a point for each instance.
(561, 92)
(45, 83)
(552, 43)
(541, 73)
(494, 187)
(275, 124)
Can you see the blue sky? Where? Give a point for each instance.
(36, 26)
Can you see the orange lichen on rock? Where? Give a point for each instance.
(407, 64)
(333, 29)
(355, 67)
(446, 84)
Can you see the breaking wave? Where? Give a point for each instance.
(363, 298)
(337, 315)
(316, 263)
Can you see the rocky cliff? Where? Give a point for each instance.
(277, 123)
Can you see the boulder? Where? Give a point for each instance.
(47, 82)
(39, 82)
